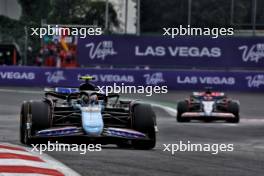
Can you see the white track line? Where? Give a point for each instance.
(24, 174)
(16, 152)
(21, 162)
(48, 162)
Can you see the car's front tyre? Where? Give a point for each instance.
(182, 107)
(34, 116)
(144, 121)
(233, 107)
(23, 117)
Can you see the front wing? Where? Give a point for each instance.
(77, 131)
(203, 115)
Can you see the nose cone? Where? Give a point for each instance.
(208, 107)
(92, 121)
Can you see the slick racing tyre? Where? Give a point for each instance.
(23, 115)
(233, 107)
(182, 107)
(35, 115)
(144, 121)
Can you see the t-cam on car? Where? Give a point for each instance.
(83, 112)
(208, 106)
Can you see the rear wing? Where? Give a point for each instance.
(214, 94)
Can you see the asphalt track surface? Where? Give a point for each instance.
(247, 137)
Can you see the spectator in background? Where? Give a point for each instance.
(39, 60)
(53, 54)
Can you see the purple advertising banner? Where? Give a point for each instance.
(243, 52)
(175, 80)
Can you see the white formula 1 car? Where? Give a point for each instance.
(208, 106)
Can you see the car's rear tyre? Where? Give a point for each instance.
(144, 121)
(182, 107)
(233, 107)
(35, 115)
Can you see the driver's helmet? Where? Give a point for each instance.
(208, 96)
(85, 99)
(93, 99)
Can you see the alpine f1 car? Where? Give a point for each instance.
(208, 106)
(83, 112)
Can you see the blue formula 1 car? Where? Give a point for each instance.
(85, 116)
